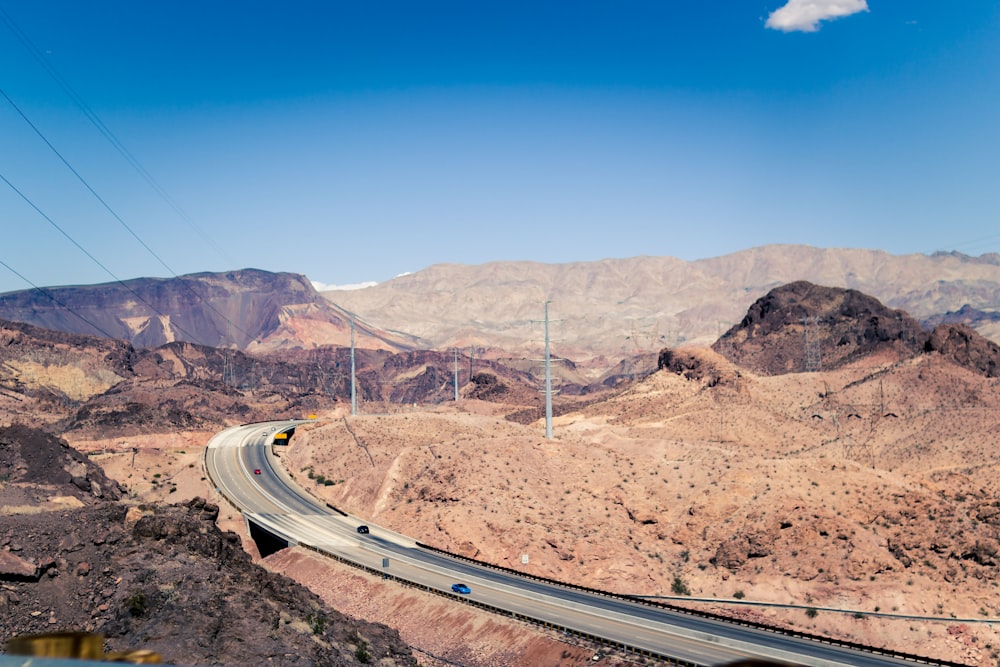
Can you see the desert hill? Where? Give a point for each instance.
(805, 327)
(247, 309)
(623, 307)
(871, 490)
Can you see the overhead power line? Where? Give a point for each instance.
(96, 261)
(57, 301)
(113, 213)
(84, 181)
(96, 121)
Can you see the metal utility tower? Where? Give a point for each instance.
(548, 378)
(228, 372)
(812, 359)
(456, 373)
(354, 392)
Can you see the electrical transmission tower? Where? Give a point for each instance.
(228, 364)
(354, 389)
(723, 343)
(812, 357)
(548, 374)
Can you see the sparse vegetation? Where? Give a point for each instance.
(361, 652)
(317, 623)
(136, 603)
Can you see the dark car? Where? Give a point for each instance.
(256, 471)
(460, 588)
(363, 530)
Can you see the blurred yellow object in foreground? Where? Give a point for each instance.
(78, 645)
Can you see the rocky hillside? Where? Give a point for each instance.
(247, 309)
(88, 385)
(159, 578)
(806, 327)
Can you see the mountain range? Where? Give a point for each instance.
(617, 307)
(600, 312)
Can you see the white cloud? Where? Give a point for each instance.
(323, 287)
(805, 15)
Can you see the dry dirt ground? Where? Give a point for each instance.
(871, 490)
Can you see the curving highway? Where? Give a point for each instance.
(274, 502)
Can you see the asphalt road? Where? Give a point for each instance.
(273, 501)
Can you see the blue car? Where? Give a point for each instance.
(460, 588)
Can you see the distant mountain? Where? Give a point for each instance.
(248, 309)
(621, 307)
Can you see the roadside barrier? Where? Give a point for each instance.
(660, 659)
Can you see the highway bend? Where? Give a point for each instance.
(275, 503)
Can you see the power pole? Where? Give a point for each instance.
(456, 373)
(228, 376)
(354, 392)
(548, 378)
(813, 361)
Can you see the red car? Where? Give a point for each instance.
(256, 471)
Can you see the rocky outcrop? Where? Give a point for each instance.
(165, 579)
(695, 364)
(965, 347)
(35, 465)
(160, 578)
(733, 553)
(804, 327)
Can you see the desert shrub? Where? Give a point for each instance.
(317, 623)
(362, 653)
(136, 603)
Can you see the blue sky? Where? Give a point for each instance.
(352, 142)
